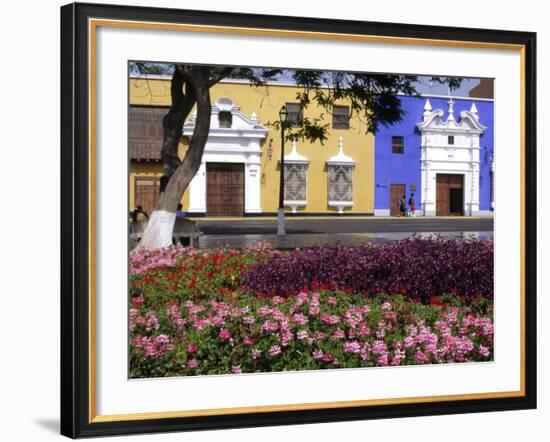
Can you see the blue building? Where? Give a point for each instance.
(442, 152)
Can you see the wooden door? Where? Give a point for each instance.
(146, 193)
(449, 194)
(396, 193)
(224, 189)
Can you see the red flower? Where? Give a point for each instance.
(476, 297)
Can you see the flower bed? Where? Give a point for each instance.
(418, 268)
(191, 315)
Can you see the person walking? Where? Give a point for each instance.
(412, 204)
(402, 206)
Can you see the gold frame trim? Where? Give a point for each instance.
(93, 24)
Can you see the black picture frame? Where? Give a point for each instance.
(76, 418)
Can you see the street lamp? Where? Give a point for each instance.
(283, 114)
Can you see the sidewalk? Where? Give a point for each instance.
(333, 217)
(292, 241)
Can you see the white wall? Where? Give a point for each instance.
(30, 306)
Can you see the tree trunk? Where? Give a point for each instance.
(158, 232)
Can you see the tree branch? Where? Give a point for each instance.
(219, 76)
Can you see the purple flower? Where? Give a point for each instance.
(426, 269)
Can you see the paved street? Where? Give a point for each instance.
(307, 232)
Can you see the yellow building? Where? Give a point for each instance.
(239, 175)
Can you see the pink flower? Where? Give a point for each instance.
(270, 326)
(274, 350)
(318, 354)
(338, 334)
(328, 357)
(332, 300)
(192, 363)
(133, 315)
(390, 315)
(286, 337)
(278, 314)
(319, 336)
(365, 355)
(192, 348)
(264, 310)
(421, 357)
(314, 311)
(303, 297)
(154, 347)
(382, 360)
(330, 319)
(409, 341)
(300, 318)
(315, 299)
(379, 347)
(365, 309)
(224, 335)
(174, 315)
(256, 353)
(138, 300)
(352, 347)
(386, 306)
(484, 351)
(236, 369)
(302, 334)
(152, 322)
(248, 340)
(397, 357)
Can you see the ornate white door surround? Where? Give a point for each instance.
(295, 175)
(340, 179)
(233, 138)
(450, 147)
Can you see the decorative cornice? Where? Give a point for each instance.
(433, 120)
(250, 126)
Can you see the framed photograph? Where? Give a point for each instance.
(272, 220)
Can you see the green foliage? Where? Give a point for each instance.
(145, 68)
(373, 98)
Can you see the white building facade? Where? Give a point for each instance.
(450, 162)
(233, 138)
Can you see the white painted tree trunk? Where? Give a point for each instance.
(158, 232)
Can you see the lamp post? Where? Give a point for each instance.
(283, 114)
